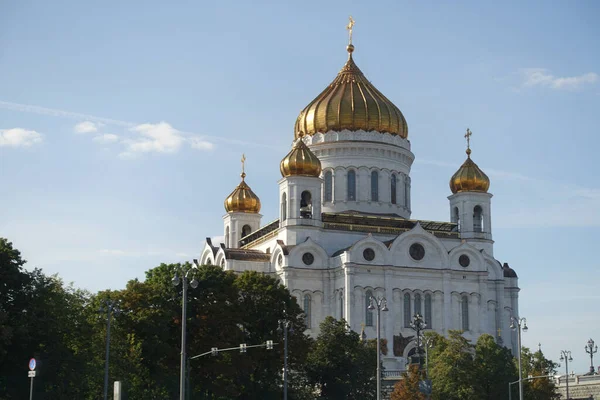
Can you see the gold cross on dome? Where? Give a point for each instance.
(243, 162)
(468, 136)
(499, 332)
(349, 27)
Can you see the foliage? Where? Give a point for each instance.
(408, 387)
(535, 364)
(452, 373)
(339, 365)
(494, 369)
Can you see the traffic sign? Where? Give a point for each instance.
(32, 364)
(31, 374)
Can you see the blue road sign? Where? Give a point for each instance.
(32, 364)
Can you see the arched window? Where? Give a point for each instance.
(328, 193)
(227, 237)
(393, 189)
(351, 185)
(464, 306)
(407, 316)
(477, 219)
(341, 305)
(368, 313)
(283, 207)
(428, 311)
(418, 304)
(374, 186)
(246, 230)
(406, 190)
(306, 205)
(456, 217)
(307, 316)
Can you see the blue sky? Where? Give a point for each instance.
(122, 125)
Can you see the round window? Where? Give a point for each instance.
(280, 260)
(369, 254)
(308, 258)
(464, 260)
(417, 251)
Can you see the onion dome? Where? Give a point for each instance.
(242, 199)
(300, 161)
(469, 177)
(508, 272)
(351, 103)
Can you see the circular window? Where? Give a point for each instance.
(308, 258)
(369, 254)
(464, 260)
(417, 251)
(280, 260)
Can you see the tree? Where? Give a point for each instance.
(408, 387)
(452, 373)
(537, 365)
(494, 369)
(339, 365)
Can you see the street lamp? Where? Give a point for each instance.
(418, 324)
(519, 324)
(181, 276)
(565, 355)
(109, 307)
(428, 342)
(380, 305)
(285, 325)
(591, 350)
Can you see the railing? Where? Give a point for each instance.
(392, 373)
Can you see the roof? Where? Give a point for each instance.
(247, 255)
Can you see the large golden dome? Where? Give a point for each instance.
(469, 178)
(300, 161)
(242, 199)
(351, 102)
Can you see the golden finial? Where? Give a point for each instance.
(468, 137)
(243, 175)
(349, 27)
(499, 332)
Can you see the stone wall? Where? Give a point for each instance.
(581, 387)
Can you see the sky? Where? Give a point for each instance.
(122, 125)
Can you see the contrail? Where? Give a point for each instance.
(7, 105)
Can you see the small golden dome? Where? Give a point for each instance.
(242, 199)
(469, 178)
(300, 161)
(351, 102)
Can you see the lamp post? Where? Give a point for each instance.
(418, 324)
(108, 307)
(519, 324)
(380, 305)
(181, 276)
(591, 350)
(285, 325)
(428, 341)
(565, 355)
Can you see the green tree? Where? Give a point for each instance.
(452, 370)
(408, 387)
(339, 365)
(494, 369)
(535, 364)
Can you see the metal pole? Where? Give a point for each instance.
(108, 312)
(183, 337)
(285, 357)
(567, 366)
(509, 392)
(378, 355)
(427, 360)
(520, 374)
(31, 390)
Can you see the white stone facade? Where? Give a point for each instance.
(347, 244)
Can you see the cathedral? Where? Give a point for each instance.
(345, 233)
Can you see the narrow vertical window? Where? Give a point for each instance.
(456, 217)
(418, 304)
(406, 191)
(407, 316)
(374, 186)
(284, 207)
(246, 230)
(465, 313)
(227, 237)
(428, 311)
(351, 185)
(328, 193)
(393, 188)
(307, 316)
(477, 219)
(368, 313)
(341, 305)
(306, 205)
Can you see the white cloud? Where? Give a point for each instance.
(543, 77)
(86, 127)
(200, 144)
(106, 138)
(19, 137)
(161, 138)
